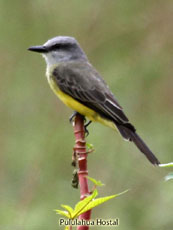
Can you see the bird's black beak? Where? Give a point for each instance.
(38, 49)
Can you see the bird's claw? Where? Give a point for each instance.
(85, 127)
(72, 116)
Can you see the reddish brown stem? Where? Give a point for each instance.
(81, 155)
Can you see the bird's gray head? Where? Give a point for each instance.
(60, 49)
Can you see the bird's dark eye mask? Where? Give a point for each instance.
(61, 46)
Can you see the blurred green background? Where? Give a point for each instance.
(131, 45)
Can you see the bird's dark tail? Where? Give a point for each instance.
(129, 133)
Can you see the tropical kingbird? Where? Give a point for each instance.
(75, 81)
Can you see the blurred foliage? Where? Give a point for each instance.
(131, 45)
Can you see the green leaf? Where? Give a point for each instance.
(83, 203)
(166, 165)
(97, 183)
(169, 176)
(68, 208)
(67, 228)
(63, 213)
(99, 201)
(89, 146)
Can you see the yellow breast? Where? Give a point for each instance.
(77, 106)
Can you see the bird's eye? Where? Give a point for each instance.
(56, 47)
(60, 46)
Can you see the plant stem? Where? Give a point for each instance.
(81, 155)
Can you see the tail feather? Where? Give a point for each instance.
(131, 135)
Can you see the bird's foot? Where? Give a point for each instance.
(73, 116)
(85, 127)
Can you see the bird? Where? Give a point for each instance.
(79, 86)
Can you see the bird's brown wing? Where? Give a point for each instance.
(82, 82)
